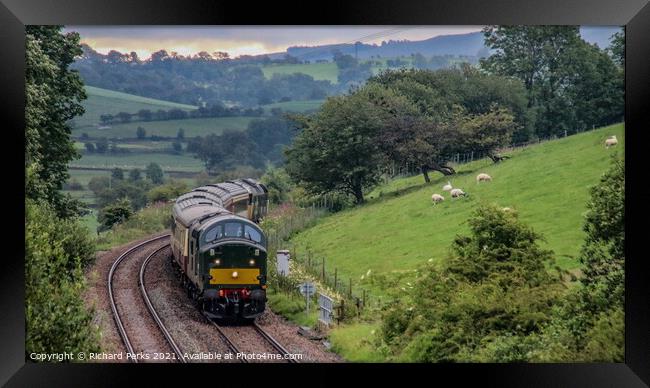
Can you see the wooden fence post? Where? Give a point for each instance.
(350, 289)
(335, 277)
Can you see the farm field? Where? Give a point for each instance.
(399, 227)
(103, 101)
(294, 106)
(168, 128)
(319, 71)
(183, 162)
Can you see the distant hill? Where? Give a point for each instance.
(461, 44)
(470, 44)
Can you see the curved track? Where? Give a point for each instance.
(133, 256)
(179, 354)
(133, 253)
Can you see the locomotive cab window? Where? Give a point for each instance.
(233, 229)
(252, 234)
(215, 233)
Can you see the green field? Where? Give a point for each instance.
(192, 127)
(319, 71)
(104, 101)
(399, 228)
(294, 106)
(171, 162)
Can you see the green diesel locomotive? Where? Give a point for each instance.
(219, 250)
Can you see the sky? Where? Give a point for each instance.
(255, 40)
(186, 40)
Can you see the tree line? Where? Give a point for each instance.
(212, 110)
(196, 80)
(261, 143)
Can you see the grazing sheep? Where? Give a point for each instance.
(506, 209)
(611, 141)
(447, 187)
(483, 177)
(437, 198)
(455, 193)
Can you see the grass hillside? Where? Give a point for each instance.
(399, 228)
(104, 101)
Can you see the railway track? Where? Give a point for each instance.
(143, 290)
(252, 333)
(274, 343)
(117, 315)
(254, 336)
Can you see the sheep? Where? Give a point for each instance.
(612, 141)
(483, 177)
(447, 187)
(506, 209)
(437, 198)
(455, 193)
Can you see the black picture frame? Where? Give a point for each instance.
(633, 14)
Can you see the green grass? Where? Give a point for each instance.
(192, 127)
(293, 307)
(355, 342)
(548, 184)
(104, 101)
(319, 71)
(183, 162)
(150, 220)
(294, 106)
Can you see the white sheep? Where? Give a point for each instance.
(611, 141)
(447, 187)
(437, 198)
(506, 209)
(455, 193)
(483, 177)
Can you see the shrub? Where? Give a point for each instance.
(487, 302)
(56, 251)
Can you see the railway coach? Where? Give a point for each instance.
(219, 250)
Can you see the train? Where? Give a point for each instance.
(219, 250)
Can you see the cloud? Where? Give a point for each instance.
(246, 40)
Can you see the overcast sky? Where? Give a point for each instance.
(253, 40)
(238, 40)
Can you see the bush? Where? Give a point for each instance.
(113, 214)
(56, 252)
(167, 192)
(488, 301)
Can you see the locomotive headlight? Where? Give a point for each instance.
(217, 261)
(251, 262)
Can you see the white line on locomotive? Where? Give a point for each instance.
(218, 248)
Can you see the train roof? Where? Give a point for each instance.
(210, 200)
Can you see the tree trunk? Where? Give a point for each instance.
(445, 170)
(425, 173)
(496, 158)
(358, 195)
